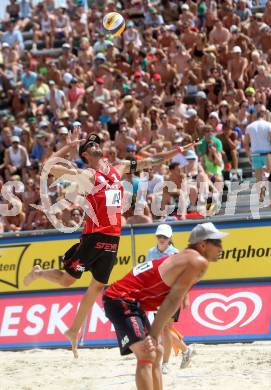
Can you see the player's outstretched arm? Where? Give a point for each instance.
(131, 166)
(169, 154)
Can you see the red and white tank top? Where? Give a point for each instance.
(105, 201)
(143, 284)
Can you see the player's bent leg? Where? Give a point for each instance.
(88, 300)
(145, 352)
(167, 343)
(53, 275)
(32, 275)
(156, 369)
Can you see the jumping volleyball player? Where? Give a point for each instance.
(161, 284)
(99, 242)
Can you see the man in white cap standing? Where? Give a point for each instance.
(157, 284)
(236, 67)
(16, 159)
(257, 144)
(193, 124)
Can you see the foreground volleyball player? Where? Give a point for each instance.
(100, 239)
(157, 284)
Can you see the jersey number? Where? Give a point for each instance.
(113, 198)
(115, 177)
(140, 268)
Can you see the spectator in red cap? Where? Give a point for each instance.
(97, 96)
(156, 76)
(166, 71)
(189, 36)
(99, 80)
(158, 84)
(140, 87)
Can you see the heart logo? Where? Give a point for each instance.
(202, 307)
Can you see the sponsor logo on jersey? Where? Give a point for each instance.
(80, 268)
(124, 341)
(107, 246)
(76, 266)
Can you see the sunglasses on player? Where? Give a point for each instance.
(215, 242)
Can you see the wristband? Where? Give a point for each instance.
(180, 149)
(133, 166)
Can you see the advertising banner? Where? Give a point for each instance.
(228, 313)
(218, 313)
(18, 258)
(246, 251)
(246, 254)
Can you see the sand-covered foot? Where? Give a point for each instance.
(72, 336)
(32, 275)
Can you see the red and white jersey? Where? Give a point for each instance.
(105, 203)
(143, 284)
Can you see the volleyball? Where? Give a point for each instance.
(113, 23)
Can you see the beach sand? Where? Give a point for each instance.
(214, 367)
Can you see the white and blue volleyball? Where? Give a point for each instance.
(113, 23)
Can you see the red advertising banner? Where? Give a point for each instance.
(217, 314)
(228, 313)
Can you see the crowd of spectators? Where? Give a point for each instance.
(181, 70)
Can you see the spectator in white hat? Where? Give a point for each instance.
(187, 17)
(63, 134)
(237, 66)
(16, 159)
(131, 34)
(10, 57)
(165, 247)
(67, 57)
(193, 124)
(257, 143)
(55, 99)
(214, 120)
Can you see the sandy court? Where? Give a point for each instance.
(220, 367)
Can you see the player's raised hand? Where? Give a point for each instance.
(73, 139)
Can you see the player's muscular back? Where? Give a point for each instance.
(187, 261)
